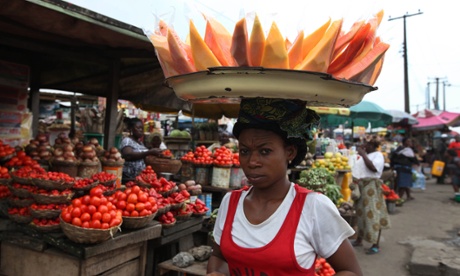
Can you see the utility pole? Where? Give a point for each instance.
(436, 98)
(427, 97)
(406, 78)
(444, 84)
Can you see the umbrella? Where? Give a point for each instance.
(436, 119)
(401, 117)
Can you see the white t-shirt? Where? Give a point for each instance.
(321, 229)
(361, 171)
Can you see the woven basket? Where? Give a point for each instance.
(22, 193)
(112, 163)
(87, 187)
(5, 181)
(163, 165)
(20, 202)
(21, 180)
(6, 158)
(143, 184)
(70, 168)
(110, 183)
(199, 214)
(167, 193)
(47, 228)
(163, 210)
(177, 206)
(20, 219)
(48, 199)
(137, 222)
(169, 225)
(88, 169)
(109, 192)
(87, 235)
(184, 216)
(46, 214)
(52, 184)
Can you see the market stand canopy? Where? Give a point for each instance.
(430, 119)
(74, 49)
(401, 117)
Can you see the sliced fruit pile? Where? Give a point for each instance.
(355, 54)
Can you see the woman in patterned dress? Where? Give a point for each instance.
(134, 151)
(371, 209)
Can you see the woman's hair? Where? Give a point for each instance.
(374, 141)
(404, 140)
(132, 122)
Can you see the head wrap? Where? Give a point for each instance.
(288, 118)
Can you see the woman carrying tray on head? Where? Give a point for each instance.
(276, 227)
(134, 151)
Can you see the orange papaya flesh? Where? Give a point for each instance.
(288, 44)
(370, 39)
(295, 51)
(320, 56)
(219, 40)
(351, 51)
(312, 39)
(202, 55)
(179, 56)
(357, 69)
(375, 73)
(256, 43)
(346, 37)
(164, 56)
(275, 54)
(240, 43)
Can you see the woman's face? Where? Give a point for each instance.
(264, 157)
(138, 130)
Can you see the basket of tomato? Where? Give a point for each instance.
(105, 178)
(163, 165)
(20, 215)
(54, 181)
(43, 196)
(90, 219)
(46, 211)
(45, 225)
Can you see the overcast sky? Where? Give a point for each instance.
(432, 37)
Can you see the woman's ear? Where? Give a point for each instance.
(291, 152)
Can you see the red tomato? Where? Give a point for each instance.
(115, 222)
(96, 224)
(85, 217)
(96, 191)
(76, 221)
(106, 218)
(121, 205)
(67, 217)
(140, 206)
(135, 189)
(132, 198)
(92, 209)
(76, 202)
(96, 216)
(142, 197)
(105, 225)
(102, 209)
(130, 207)
(76, 212)
(96, 201)
(134, 213)
(85, 224)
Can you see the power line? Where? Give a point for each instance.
(406, 78)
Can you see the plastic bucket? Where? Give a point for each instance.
(187, 171)
(117, 171)
(202, 175)
(391, 207)
(236, 176)
(220, 177)
(437, 168)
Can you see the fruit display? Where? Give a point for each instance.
(167, 219)
(88, 153)
(223, 157)
(19, 214)
(201, 156)
(112, 156)
(355, 54)
(134, 202)
(65, 152)
(39, 148)
(104, 178)
(323, 268)
(53, 180)
(308, 160)
(199, 208)
(22, 159)
(6, 151)
(332, 162)
(148, 178)
(62, 140)
(191, 186)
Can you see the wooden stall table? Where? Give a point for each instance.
(171, 241)
(197, 268)
(27, 252)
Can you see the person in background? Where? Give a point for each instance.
(440, 154)
(455, 145)
(402, 161)
(454, 161)
(225, 139)
(371, 209)
(134, 151)
(156, 141)
(273, 226)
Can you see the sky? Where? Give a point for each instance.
(431, 36)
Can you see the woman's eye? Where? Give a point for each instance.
(243, 151)
(265, 151)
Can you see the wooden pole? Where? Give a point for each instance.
(112, 106)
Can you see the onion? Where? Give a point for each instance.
(62, 135)
(89, 154)
(33, 153)
(113, 150)
(116, 156)
(41, 138)
(59, 158)
(66, 140)
(68, 154)
(58, 152)
(71, 159)
(32, 146)
(95, 159)
(42, 148)
(46, 144)
(75, 140)
(43, 154)
(35, 142)
(94, 141)
(58, 141)
(88, 148)
(68, 148)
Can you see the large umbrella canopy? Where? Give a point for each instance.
(361, 114)
(401, 117)
(435, 119)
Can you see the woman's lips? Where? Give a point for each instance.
(253, 177)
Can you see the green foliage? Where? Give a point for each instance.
(322, 181)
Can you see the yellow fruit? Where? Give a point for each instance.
(338, 155)
(328, 155)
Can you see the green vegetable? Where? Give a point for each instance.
(322, 181)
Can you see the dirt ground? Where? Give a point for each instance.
(432, 215)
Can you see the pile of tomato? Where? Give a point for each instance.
(4, 173)
(223, 157)
(46, 222)
(56, 176)
(201, 156)
(104, 177)
(147, 176)
(21, 211)
(5, 150)
(389, 194)
(323, 268)
(4, 192)
(21, 159)
(92, 211)
(134, 202)
(29, 171)
(167, 218)
(81, 183)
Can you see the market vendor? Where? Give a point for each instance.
(134, 151)
(156, 141)
(274, 219)
(225, 139)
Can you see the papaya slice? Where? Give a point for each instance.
(219, 40)
(310, 41)
(375, 73)
(351, 51)
(370, 39)
(358, 69)
(275, 53)
(256, 43)
(240, 43)
(345, 38)
(319, 58)
(288, 44)
(160, 43)
(179, 55)
(295, 51)
(202, 55)
(162, 28)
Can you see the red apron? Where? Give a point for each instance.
(275, 258)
